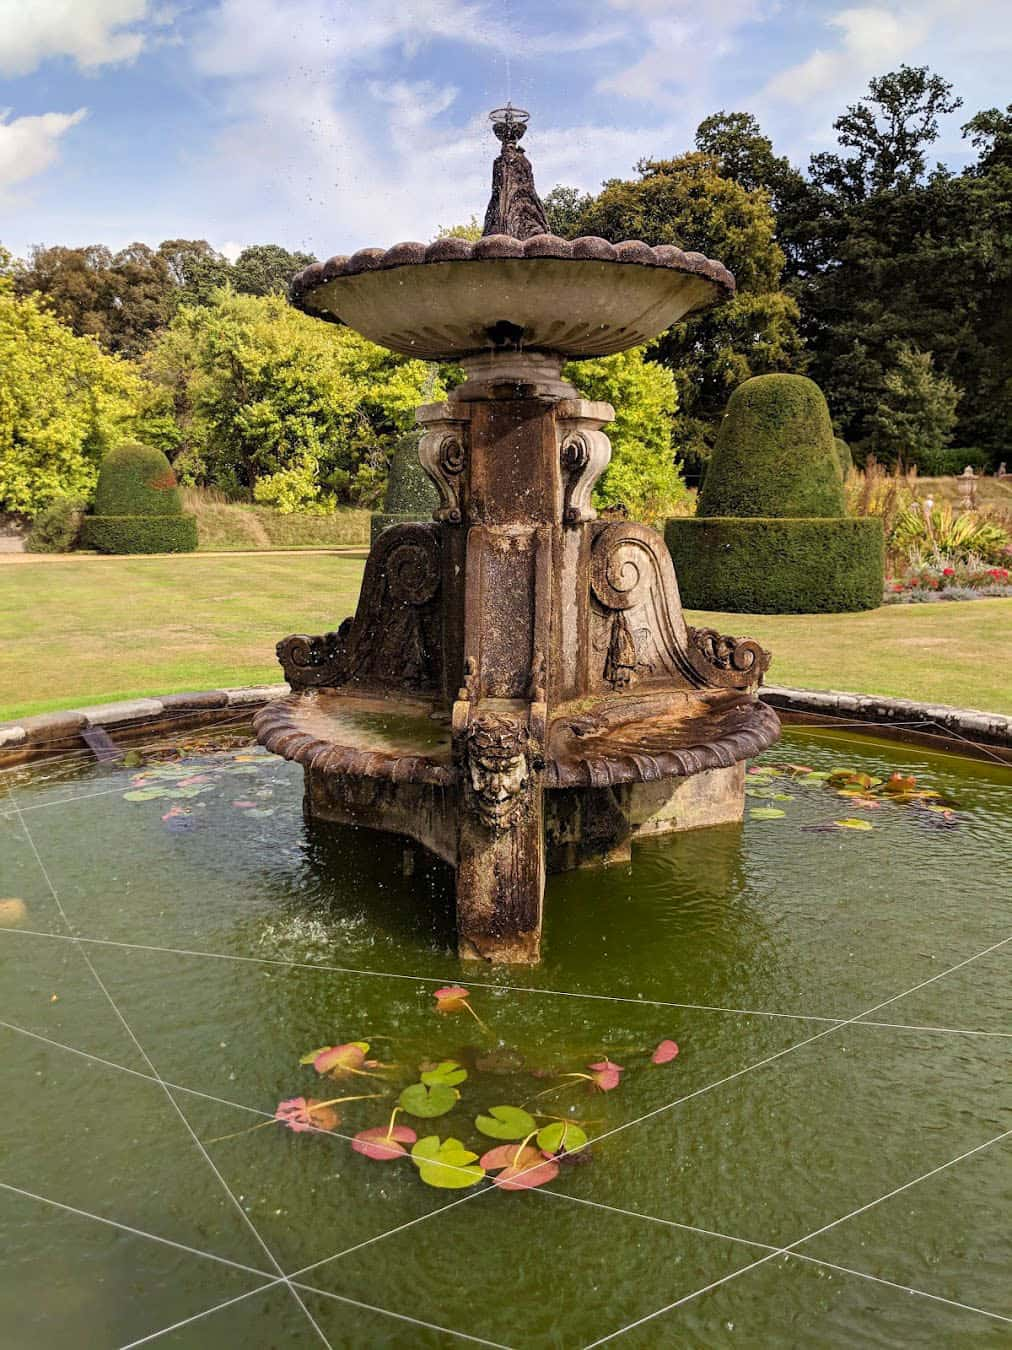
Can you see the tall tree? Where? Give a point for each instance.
(687, 201)
(267, 269)
(196, 269)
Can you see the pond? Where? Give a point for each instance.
(837, 993)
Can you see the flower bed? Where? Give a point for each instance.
(926, 582)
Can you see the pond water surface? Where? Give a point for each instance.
(839, 997)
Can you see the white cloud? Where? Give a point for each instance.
(91, 32)
(872, 40)
(28, 145)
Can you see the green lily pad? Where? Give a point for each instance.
(815, 776)
(781, 797)
(446, 1163)
(447, 1072)
(427, 1102)
(854, 823)
(766, 813)
(144, 794)
(759, 792)
(561, 1134)
(506, 1122)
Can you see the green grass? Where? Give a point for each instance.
(223, 526)
(84, 630)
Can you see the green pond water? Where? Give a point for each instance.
(839, 997)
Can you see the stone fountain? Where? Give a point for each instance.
(518, 689)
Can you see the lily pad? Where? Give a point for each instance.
(428, 1102)
(447, 1073)
(561, 1134)
(383, 1143)
(853, 823)
(506, 1122)
(766, 813)
(665, 1052)
(446, 1163)
(520, 1169)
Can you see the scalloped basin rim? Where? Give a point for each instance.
(579, 308)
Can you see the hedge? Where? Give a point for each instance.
(411, 494)
(140, 534)
(774, 454)
(774, 566)
(844, 456)
(136, 480)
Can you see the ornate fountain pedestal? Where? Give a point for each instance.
(518, 686)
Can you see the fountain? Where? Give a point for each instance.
(518, 689)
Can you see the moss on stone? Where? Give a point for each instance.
(775, 566)
(775, 454)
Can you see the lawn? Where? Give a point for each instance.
(85, 630)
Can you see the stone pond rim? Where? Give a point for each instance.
(435, 301)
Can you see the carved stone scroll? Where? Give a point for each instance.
(315, 662)
(442, 452)
(584, 453)
(728, 662)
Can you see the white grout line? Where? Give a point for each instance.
(172, 1101)
(207, 1312)
(136, 1232)
(510, 988)
(789, 1250)
(771, 1248)
(403, 1317)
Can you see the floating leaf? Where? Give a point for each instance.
(427, 1102)
(781, 797)
(506, 1122)
(854, 823)
(815, 776)
(665, 1052)
(312, 1055)
(12, 911)
(766, 813)
(341, 1059)
(144, 794)
(305, 1113)
(451, 999)
(446, 1164)
(521, 1168)
(447, 1073)
(607, 1075)
(560, 1134)
(866, 803)
(244, 806)
(384, 1142)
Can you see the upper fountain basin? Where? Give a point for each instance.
(457, 297)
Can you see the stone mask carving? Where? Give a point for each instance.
(498, 769)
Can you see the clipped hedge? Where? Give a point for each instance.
(844, 456)
(774, 566)
(140, 534)
(774, 454)
(138, 508)
(411, 494)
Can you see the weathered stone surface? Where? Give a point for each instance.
(207, 698)
(130, 710)
(258, 693)
(11, 735)
(53, 726)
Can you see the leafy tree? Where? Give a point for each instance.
(267, 269)
(687, 201)
(564, 207)
(195, 268)
(251, 396)
(916, 414)
(642, 474)
(472, 230)
(889, 132)
(63, 403)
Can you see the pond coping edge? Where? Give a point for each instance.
(966, 729)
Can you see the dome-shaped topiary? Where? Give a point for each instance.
(136, 480)
(844, 456)
(775, 454)
(411, 494)
(137, 505)
(409, 487)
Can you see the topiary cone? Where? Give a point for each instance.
(775, 454)
(411, 494)
(137, 505)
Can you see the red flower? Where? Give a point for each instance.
(948, 571)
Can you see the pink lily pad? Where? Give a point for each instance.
(521, 1169)
(606, 1075)
(383, 1144)
(301, 1114)
(665, 1052)
(243, 806)
(450, 998)
(338, 1059)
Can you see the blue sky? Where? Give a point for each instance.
(334, 124)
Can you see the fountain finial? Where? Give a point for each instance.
(515, 207)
